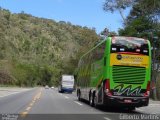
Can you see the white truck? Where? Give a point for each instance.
(66, 84)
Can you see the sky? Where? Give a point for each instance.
(88, 13)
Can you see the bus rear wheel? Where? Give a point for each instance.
(91, 100)
(79, 96)
(131, 108)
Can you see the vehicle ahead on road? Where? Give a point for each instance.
(116, 72)
(52, 87)
(66, 84)
(46, 87)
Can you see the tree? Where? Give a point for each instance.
(136, 27)
(120, 5)
(38, 49)
(150, 7)
(106, 32)
(143, 21)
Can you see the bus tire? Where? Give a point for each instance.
(79, 95)
(131, 108)
(95, 102)
(91, 100)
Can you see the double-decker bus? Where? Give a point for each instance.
(116, 72)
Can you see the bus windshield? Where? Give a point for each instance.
(129, 45)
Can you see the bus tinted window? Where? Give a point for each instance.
(99, 52)
(125, 44)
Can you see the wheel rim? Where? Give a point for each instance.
(79, 96)
(90, 101)
(95, 101)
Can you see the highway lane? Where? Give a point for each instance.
(12, 102)
(60, 104)
(5, 91)
(52, 104)
(48, 104)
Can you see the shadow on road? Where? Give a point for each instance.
(117, 110)
(108, 109)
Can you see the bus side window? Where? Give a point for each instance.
(99, 52)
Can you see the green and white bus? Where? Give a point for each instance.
(116, 72)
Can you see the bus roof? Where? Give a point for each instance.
(129, 38)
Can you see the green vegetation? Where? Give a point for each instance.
(36, 51)
(142, 21)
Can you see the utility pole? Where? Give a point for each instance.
(153, 78)
(154, 68)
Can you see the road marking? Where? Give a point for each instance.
(13, 92)
(66, 97)
(38, 96)
(154, 104)
(78, 103)
(34, 99)
(31, 104)
(28, 108)
(9, 94)
(107, 118)
(23, 114)
(139, 109)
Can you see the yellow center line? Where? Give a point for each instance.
(23, 114)
(34, 99)
(31, 104)
(28, 108)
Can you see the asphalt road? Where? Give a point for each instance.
(48, 104)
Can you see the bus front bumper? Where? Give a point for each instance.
(119, 101)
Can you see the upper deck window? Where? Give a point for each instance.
(129, 45)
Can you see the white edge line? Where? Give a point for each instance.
(9, 94)
(66, 97)
(107, 118)
(14, 93)
(78, 103)
(139, 109)
(28, 108)
(153, 104)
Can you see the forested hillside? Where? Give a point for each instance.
(36, 51)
